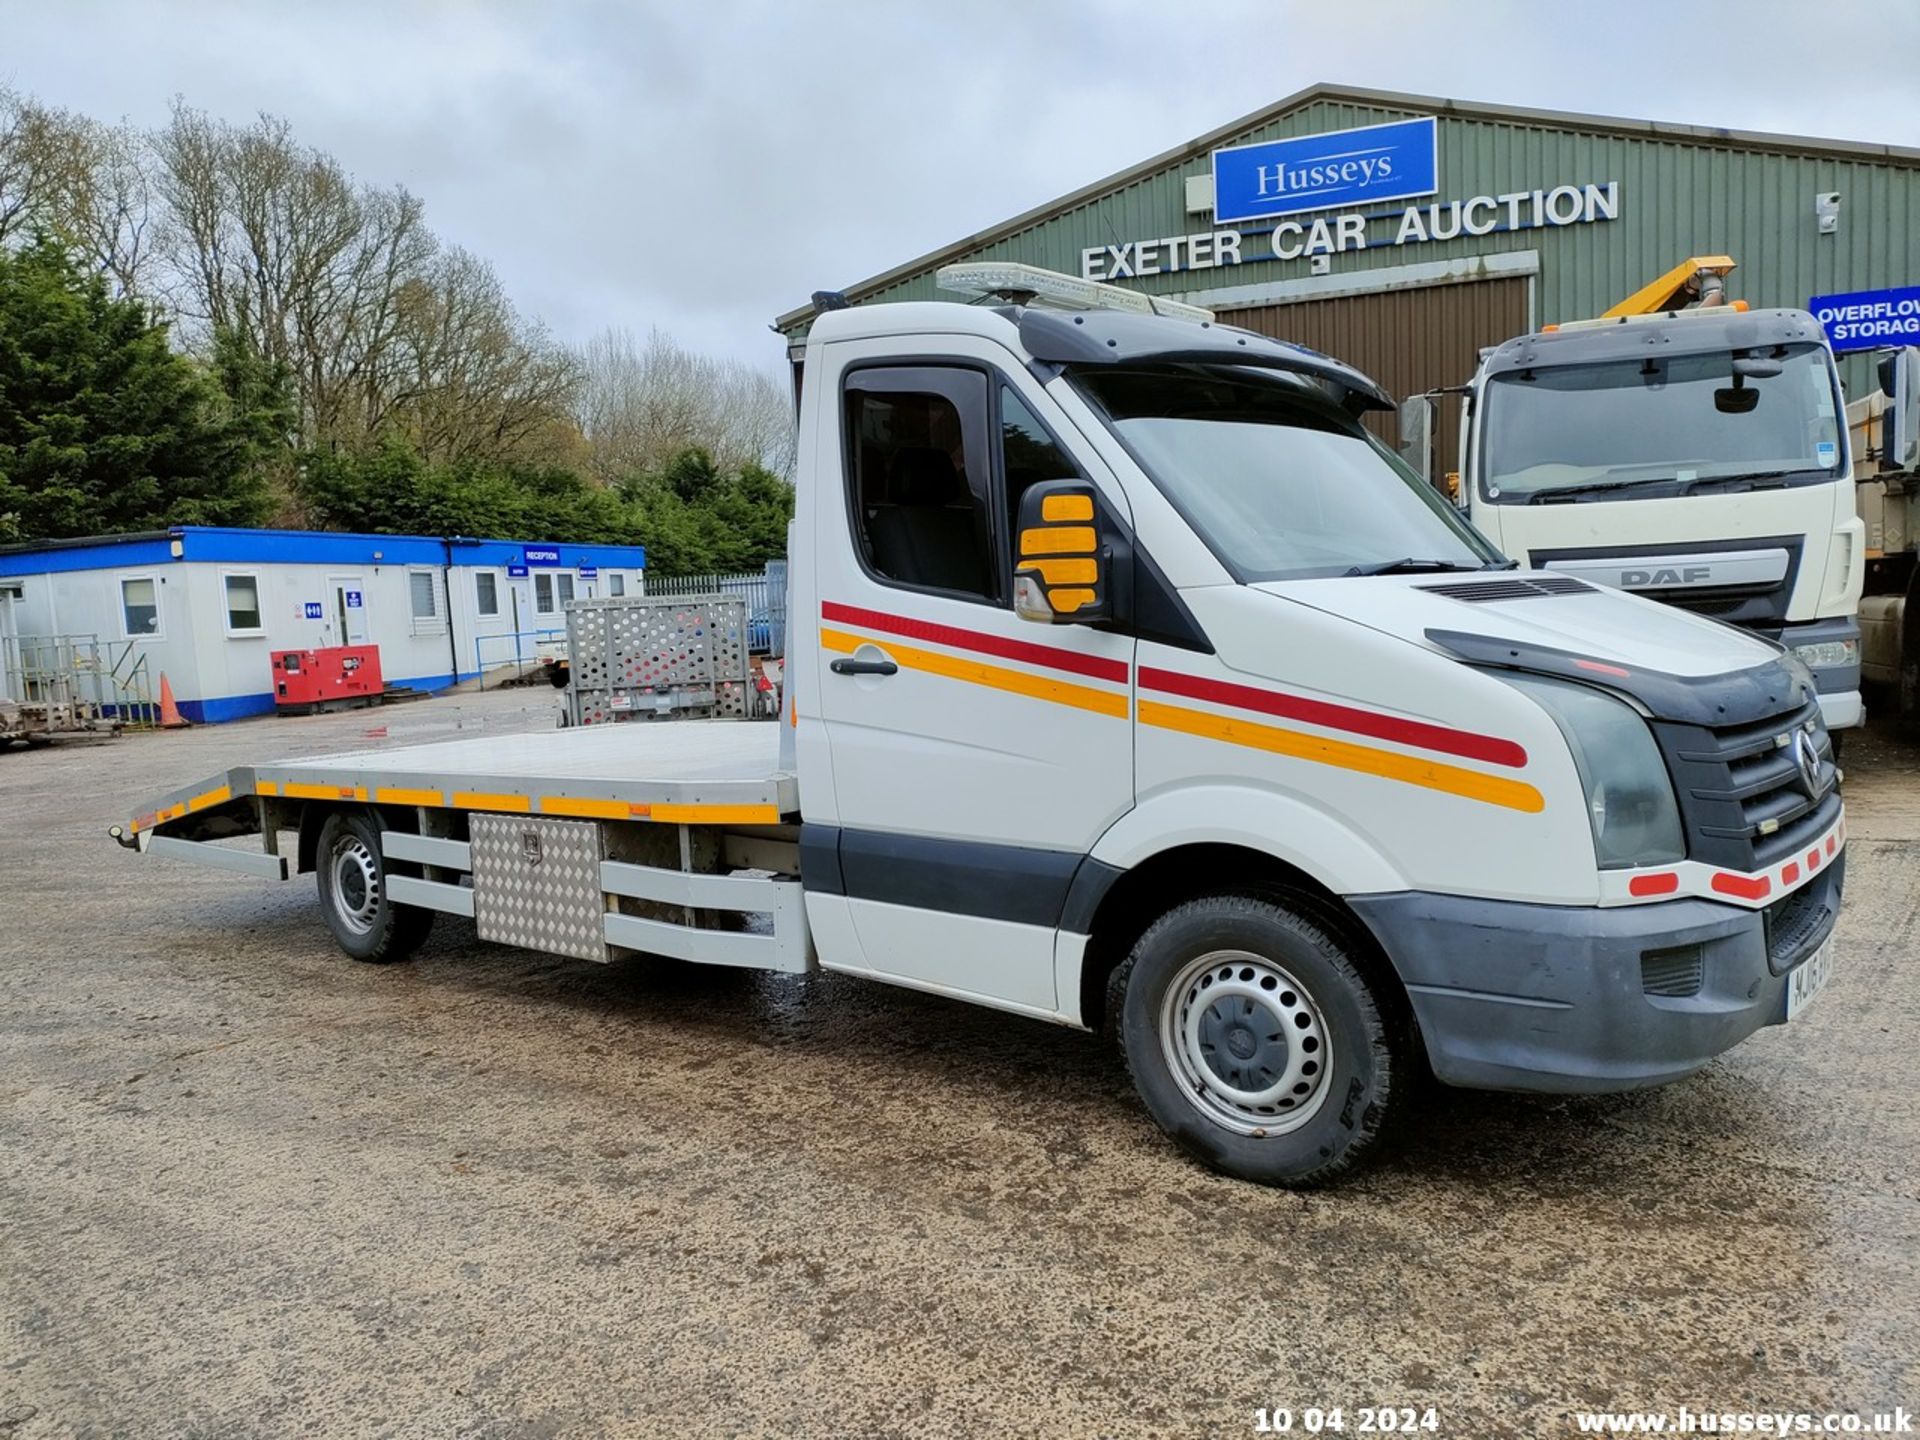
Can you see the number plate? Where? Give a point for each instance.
(1809, 978)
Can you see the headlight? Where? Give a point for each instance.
(1629, 796)
(1828, 653)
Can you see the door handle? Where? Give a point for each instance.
(864, 667)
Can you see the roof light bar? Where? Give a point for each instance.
(1029, 284)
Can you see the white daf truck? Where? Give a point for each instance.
(1135, 686)
(1697, 456)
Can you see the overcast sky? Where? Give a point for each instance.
(703, 165)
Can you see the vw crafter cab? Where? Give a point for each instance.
(1135, 685)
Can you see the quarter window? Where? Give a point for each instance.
(243, 603)
(1028, 453)
(140, 606)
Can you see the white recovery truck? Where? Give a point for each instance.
(1696, 456)
(1134, 685)
(1885, 426)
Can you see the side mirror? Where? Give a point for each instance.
(1061, 565)
(1900, 422)
(1416, 435)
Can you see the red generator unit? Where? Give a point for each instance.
(308, 680)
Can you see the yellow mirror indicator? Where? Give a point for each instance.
(1060, 540)
(1066, 507)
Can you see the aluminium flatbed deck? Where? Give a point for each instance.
(694, 772)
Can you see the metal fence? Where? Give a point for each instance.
(76, 682)
(764, 591)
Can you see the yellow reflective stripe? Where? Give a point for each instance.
(487, 800)
(1066, 507)
(1062, 540)
(265, 787)
(1319, 750)
(588, 809)
(973, 672)
(717, 814)
(300, 790)
(1065, 572)
(219, 795)
(401, 795)
(1065, 602)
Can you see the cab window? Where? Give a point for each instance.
(919, 478)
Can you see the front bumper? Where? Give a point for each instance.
(1576, 999)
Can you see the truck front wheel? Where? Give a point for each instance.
(1257, 1042)
(353, 893)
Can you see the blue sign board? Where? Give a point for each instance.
(540, 555)
(1869, 319)
(315, 611)
(353, 599)
(589, 572)
(516, 570)
(1319, 172)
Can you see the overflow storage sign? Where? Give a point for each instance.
(1869, 319)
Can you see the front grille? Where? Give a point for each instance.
(1673, 973)
(1478, 592)
(1745, 802)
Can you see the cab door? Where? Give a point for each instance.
(975, 756)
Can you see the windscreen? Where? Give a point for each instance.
(1636, 428)
(1280, 483)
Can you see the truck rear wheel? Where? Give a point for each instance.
(1257, 1042)
(353, 894)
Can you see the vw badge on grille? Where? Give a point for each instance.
(1808, 759)
(530, 846)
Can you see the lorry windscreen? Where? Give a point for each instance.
(1278, 481)
(1641, 428)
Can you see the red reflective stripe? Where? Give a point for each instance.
(1338, 717)
(1813, 861)
(1830, 844)
(1746, 887)
(1789, 873)
(1099, 667)
(1664, 884)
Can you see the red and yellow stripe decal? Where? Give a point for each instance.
(968, 670)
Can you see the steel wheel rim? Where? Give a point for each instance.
(1247, 1043)
(356, 885)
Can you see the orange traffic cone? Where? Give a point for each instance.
(170, 716)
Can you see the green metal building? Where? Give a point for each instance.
(1500, 219)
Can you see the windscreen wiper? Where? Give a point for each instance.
(1408, 565)
(1562, 494)
(1765, 480)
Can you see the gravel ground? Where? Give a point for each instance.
(250, 1188)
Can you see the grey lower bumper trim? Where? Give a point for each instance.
(1510, 996)
(244, 862)
(430, 895)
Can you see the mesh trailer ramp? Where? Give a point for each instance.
(589, 843)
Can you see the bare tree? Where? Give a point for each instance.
(639, 405)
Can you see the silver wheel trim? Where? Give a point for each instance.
(1283, 1082)
(354, 869)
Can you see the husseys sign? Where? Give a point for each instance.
(1376, 164)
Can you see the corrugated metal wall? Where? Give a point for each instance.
(1409, 340)
(1678, 197)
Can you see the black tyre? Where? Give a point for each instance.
(1257, 1041)
(353, 893)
